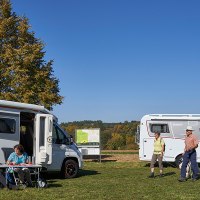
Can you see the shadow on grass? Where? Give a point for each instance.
(51, 177)
(165, 164)
(53, 185)
(169, 173)
(87, 173)
(166, 174)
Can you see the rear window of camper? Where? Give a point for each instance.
(7, 125)
(161, 128)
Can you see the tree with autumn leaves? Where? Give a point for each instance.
(26, 77)
(24, 74)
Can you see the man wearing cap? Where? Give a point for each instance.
(191, 143)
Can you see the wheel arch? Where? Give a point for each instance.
(63, 164)
(180, 154)
(177, 159)
(69, 158)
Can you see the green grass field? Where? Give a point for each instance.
(112, 180)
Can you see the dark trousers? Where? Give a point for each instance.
(192, 157)
(3, 182)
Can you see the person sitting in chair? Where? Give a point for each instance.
(19, 157)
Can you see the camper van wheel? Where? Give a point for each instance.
(70, 169)
(178, 161)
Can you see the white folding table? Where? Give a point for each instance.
(36, 169)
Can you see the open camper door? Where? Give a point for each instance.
(43, 138)
(148, 148)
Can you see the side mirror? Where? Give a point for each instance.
(69, 141)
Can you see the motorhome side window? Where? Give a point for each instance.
(161, 128)
(7, 125)
(58, 136)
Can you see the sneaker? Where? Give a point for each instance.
(151, 175)
(22, 185)
(182, 179)
(194, 179)
(161, 175)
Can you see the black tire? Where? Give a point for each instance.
(70, 169)
(178, 161)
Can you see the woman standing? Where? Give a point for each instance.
(159, 147)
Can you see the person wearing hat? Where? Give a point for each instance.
(191, 143)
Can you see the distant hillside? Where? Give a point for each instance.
(113, 135)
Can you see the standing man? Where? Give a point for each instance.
(159, 147)
(191, 143)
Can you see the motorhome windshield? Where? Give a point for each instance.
(59, 136)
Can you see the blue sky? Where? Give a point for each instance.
(118, 60)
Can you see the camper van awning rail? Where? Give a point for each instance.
(174, 115)
(18, 105)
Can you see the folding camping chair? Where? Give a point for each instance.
(10, 175)
(7, 152)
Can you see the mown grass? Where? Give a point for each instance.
(112, 180)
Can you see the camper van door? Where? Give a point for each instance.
(148, 148)
(43, 138)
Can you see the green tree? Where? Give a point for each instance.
(116, 142)
(105, 137)
(24, 74)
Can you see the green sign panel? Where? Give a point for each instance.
(88, 136)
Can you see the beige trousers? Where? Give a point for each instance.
(154, 158)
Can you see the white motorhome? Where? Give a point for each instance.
(43, 139)
(172, 128)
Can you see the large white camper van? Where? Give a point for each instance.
(172, 128)
(37, 130)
